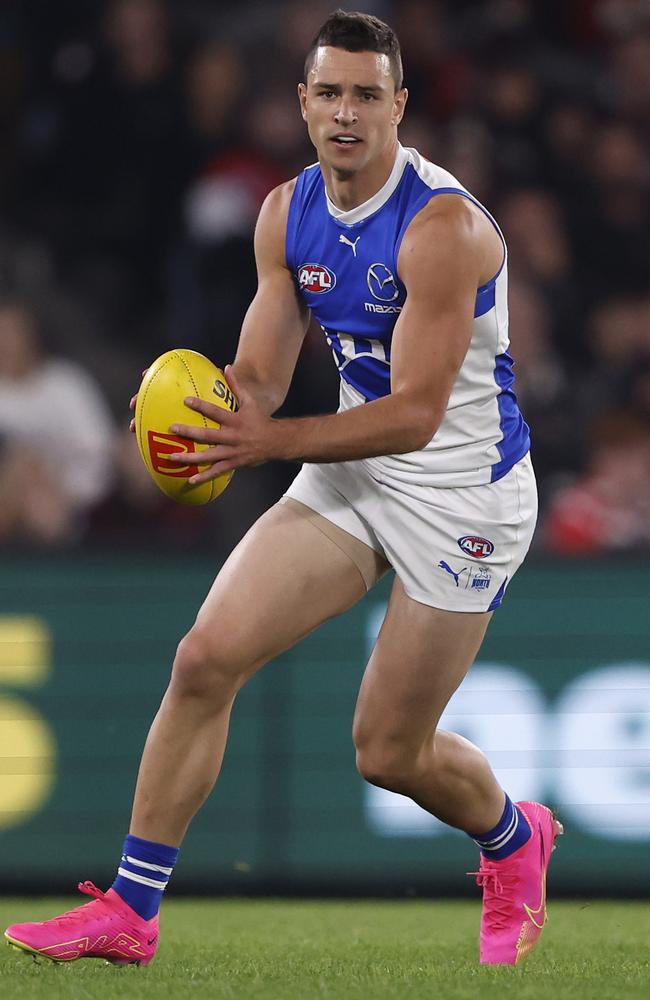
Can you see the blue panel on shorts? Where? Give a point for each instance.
(498, 597)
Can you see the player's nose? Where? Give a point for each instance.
(346, 113)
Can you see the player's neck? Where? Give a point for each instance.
(349, 190)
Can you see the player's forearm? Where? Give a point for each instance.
(388, 426)
(268, 394)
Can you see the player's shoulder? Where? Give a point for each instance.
(451, 220)
(271, 228)
(448, 223)
(449, 233)
(279, 198)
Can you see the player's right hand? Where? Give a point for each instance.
(132, 403)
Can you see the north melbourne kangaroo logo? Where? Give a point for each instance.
(349, 243)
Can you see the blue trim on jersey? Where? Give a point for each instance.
(515, 441)
(485, 299)
(498, 597)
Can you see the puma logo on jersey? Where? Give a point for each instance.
(343, 239)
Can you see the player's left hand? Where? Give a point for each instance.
(246, 437)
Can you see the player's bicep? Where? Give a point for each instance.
(440, 263)
(276, 320)
(432, 335)
(273, 330)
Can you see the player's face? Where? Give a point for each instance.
(351, 107)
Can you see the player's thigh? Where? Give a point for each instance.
(282, 580)
(421, 656)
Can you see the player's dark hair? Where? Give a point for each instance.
(357, 32)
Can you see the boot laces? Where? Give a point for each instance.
(498, 896)
(72, 916)
(90, 889)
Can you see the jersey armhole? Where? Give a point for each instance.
(425, 199)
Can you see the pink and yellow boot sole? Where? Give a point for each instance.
(107, 929)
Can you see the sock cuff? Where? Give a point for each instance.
(150, 850)
(510, 833)
(497, 830)
(143, 873)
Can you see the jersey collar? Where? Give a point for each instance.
(378, 199)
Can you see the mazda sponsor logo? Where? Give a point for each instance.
(381, 283)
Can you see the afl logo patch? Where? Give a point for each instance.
(316, 278)
(474, 545)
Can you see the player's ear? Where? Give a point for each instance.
(302, 97)
(399, 104)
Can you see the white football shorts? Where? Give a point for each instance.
(453, 548)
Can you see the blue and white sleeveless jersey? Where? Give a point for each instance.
(345, 265)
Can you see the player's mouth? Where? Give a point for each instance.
(344, 139)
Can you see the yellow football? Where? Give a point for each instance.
(173, 376)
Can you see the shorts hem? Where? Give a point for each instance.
(342, 523)
(433, 602)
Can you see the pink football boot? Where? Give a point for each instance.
(514, 892)
(106, 928)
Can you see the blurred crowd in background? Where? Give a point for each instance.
(138, 140)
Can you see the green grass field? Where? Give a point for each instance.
(357, 950)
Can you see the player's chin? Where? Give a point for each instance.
(339, 156)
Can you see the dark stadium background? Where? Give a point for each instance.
(137, 141)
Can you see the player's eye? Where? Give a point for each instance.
(368, 97)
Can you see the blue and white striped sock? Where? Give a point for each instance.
(143, 874)
(511, 832)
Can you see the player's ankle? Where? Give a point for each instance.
(511, 832)
(142, 876)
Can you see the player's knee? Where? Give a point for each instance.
(388, 764)
(203, 668)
